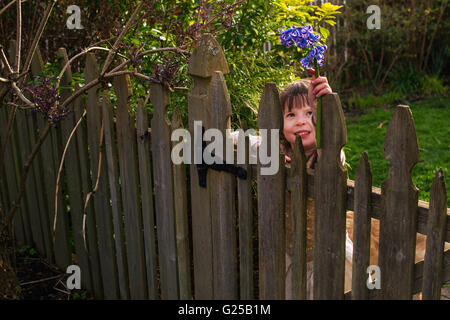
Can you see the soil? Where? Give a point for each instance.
(40, 280)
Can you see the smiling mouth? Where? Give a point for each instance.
(302, 133)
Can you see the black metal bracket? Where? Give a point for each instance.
(202, 169)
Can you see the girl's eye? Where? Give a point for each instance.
(309, 113)
(290, 114)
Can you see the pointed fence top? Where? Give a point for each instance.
(270, 115)
(207, 57)
(400, 146)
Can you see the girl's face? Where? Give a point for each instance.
(298, 122)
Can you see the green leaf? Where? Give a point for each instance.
(324, 32)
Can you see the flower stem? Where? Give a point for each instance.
(319, 112)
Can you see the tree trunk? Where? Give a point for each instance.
(9, 284)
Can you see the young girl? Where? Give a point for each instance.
(299, 106)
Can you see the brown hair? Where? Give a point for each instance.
(296, 93)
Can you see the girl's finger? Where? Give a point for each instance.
(320, 87)
(287, 159)
(323, 92)
(320, 80)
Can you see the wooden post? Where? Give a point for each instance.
(330, 191)
(398, 223)
(298, 192)
(221, 186)
(271, 205)
(101, 198)
(432, 271)
(72, 175)
(126, 137)
(206, 58)
(361, 229)
(245, 211)
(114, 189)
(165, 215)
(148, 213)
(181, 219)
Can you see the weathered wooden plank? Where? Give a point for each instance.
(73, 178)
(148, 214)
(221, 186)
(330, 202)
(181, 219)
(37, 66)
(299, 181)
(90, 225)
(245, 212)
(116, 199)
(432, 275)
(164, 206)
(10, 183)
(126, 137)
(101, 198)
(398, 222)
(271, 201)
(30, 184)
(15, 149)
(361, 229)
(206, 58)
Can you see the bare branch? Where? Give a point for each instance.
(58, 79)
(38, 36)
(141, 54)
(60, 170)
(5, 60)
(18, 35)
(9, 5)
(116, 45)
(88, 196)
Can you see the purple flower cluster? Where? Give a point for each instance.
(305, 39)
(314, 53)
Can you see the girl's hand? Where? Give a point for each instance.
(319, 86)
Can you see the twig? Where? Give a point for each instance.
(115, 47)
(42, 280)
(88, 196)
(60, 170)
(9, 5)
(38, 36)
(58, 79)
(5, 60)
(18, 35)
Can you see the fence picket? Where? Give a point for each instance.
(361, 228)
(297, 214)
(72, 176)
(432, 271)
(206, 58)
(90, 224)
(164, 207)
(114, 188)
(245, 211)
(221, 186)
(398, 223)
(271, 204)
(181, 219)
(103, 214)
(148, 213)
(126, 137)
(330, 190)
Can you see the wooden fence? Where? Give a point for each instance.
(152, 232)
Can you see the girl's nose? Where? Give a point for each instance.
(301, 120)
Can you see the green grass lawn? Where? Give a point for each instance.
(432, 122)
